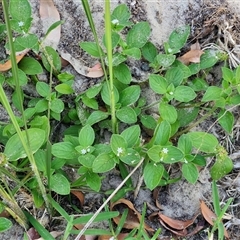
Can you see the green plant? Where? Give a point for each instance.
(116, 105)
(218, 224)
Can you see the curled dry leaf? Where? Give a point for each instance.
(49, 15)
(192, 56)
(210, 216)
(79, 195)
(94, 72)
(8, 65)
(155, 197)
(133, 217)
(179, 227)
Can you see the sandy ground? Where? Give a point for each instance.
(180, 200)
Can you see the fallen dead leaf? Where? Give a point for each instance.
(94, 72)
(49, 15)
(133, 217)
(210, 216)
(192, 56)
(79, 195)
(8, 65)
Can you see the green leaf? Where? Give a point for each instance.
(43, 89)
(60, 184)
(221, 167)
(64, 88)
(51, 59)
(21, 77)
(227, 74)
(90, 102)
(175, 76)
(96, 117)
(130, 95)
(177, 39)
(190, 172)
(165, 60)
(132, 52)
(30, 66)
(203, 141)
(118, 145)
(158, 83)
(121, 13)
(103, 163)
(14, 149)
(184, 94)
(226, 120)
(171, 154)
(27, 41)
(187, 115)
(148, 121)
(208, 59)
(20, 10)
(126, 115)
(185, 144)
(162, 133)
(64, 150)
(86, 136)
(93, 91)
(149, 51)
(53, 26)
(91, 48)
(213, 93)
(138, 35)
(57, 105)
(86, 159)
(131, 135)
(198, 84)
(122, 73)
(5, 224)
(154, 153)
(93, 181)
(117, 59)
(65, 77)
(42, 105)
(152, 174)
(168, 112)
(115, 39)
(105, 94)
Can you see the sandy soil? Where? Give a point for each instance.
(180, 200)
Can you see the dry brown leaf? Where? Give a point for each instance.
(210, 216)
(192, 56)
(94, 72)
(79, 195)
(176, 224)
(133, 217)
(49, 15)
(155, 197)
(8, 65)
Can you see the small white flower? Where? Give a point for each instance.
(83, 151)
(20, 24)
(119, 151)
(115, 22)
(165, 150)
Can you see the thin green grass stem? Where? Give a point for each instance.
(108, 29)
(8, 108)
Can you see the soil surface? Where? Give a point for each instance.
(211, 22)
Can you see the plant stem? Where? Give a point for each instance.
(7, 106)
(108, 28)
(196, 123)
